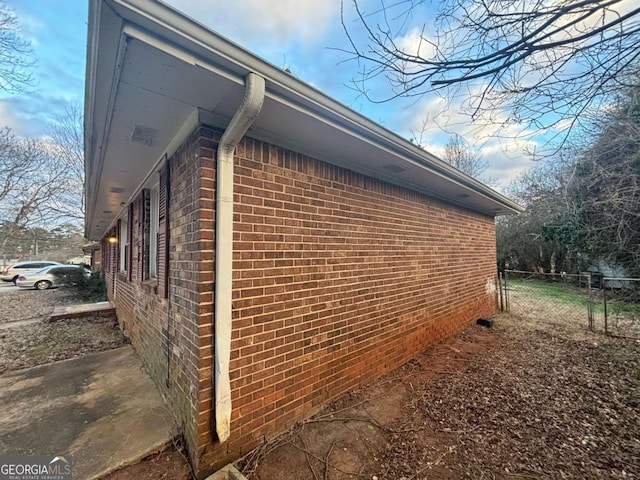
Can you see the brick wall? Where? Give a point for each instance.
(338, 278)
(168, 333)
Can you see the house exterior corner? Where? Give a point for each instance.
(338, 278)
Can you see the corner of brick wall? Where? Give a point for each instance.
(337, 279)
(173, 336)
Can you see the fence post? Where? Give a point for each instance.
(606, 315)
(506, 292)
(589, 303)
(500, 290)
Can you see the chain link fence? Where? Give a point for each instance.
(607, 305)
(618, 305)
(541, 296)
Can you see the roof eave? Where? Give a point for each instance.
(192, 38)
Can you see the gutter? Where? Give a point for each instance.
(243, 118)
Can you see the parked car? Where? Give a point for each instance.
(12, 272)
(51, 276)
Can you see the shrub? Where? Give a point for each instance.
(89, 288)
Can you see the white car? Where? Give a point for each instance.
(51, 276)
(12, 272)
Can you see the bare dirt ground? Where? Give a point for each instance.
(169, 465)
(537, 398)
(529, 399)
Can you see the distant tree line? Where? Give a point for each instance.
(60, 243)
(583, 204)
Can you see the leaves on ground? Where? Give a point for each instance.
(31, 344)
(535, 399)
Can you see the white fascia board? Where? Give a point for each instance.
(89, 100)
(97, 130)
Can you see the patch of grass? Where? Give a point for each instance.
(617, 306)
(555, 290)
(618, 301)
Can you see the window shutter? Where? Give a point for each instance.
(130, 224)
(163, 231)
(103, 254)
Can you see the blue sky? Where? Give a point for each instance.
(301, 35)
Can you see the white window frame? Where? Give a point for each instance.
(124, 242)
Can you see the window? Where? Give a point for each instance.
(148, 232)
(124, 244)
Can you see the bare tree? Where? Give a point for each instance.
(30, 179)
(14, 54)
(458, 153)
(583, 205)
(21, 161)
(606, 187)
(66, 134)
(535, 240)
(544, 63)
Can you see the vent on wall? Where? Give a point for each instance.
(394, 168)
(144, 135)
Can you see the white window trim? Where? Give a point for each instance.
(124, 242)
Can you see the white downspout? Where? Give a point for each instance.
(240, 123)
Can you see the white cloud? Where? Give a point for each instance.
(248, 21)
(30, 28)
(416, 42)
(18, 123)
(9, 119)
(506, 147)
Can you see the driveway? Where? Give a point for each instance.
(6, 287)
(101, 409)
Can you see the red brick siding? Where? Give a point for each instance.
(338, 278)
(168, 333)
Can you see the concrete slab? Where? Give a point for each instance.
(19, 323)
(105, 309)
(228, 472)
(102, 409)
